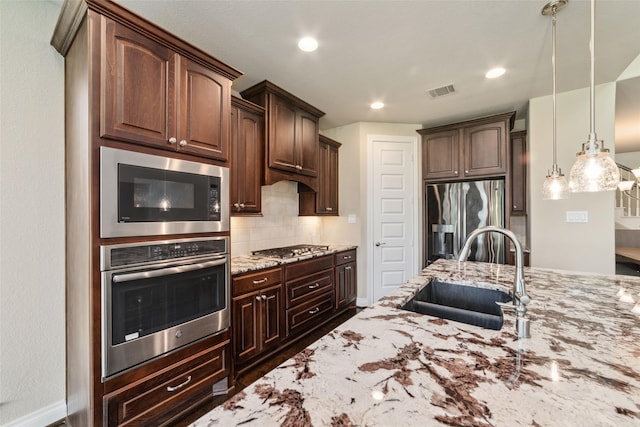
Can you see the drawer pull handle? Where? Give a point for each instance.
(314, 311)
(346, 257)
(171, 389)
(257, 282)
(316, 286)
(330, 209)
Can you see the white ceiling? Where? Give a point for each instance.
(394, 51)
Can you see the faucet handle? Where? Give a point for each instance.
(505, 306)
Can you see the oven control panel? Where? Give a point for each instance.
(115, 256)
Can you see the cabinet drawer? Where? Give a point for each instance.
(159, 397)
(345, 257)
(256, 281)
(310, 266)
(310, 313)
(303, 289)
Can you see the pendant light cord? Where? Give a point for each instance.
(592, 130)
(554, 167)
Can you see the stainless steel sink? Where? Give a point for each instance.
(460, 303)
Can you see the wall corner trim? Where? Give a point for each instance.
(42, 417)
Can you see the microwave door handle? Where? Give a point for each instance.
(166, 271)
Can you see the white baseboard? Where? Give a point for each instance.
(362, 302)
(42, 417)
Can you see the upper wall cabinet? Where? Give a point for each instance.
(154, 96)
(247, 142)
(291, 137)
(518, 172)
(325, 200)
(467, 150)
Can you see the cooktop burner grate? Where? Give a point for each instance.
(290, 251)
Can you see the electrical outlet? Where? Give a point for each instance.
(577, 216)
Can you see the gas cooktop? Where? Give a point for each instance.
(291, 251)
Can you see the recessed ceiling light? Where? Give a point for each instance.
(495, 72)
(308, 44)
(377, 105)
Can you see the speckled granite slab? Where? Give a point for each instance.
(390, 367)
(247, 263)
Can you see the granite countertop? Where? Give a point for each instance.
(247, 263)
(390, 367)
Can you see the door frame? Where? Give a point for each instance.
(417, 224)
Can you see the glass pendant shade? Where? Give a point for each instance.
(594, 171)
(555, 186)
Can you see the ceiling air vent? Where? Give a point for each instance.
(441, 91)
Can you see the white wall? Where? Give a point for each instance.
(587, 247)
(32, 277)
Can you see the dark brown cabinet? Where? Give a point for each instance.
(325, 200)
(165, 394)
(291, 136)
(257, 311)
(309, 293)
(518, 172)
(247, 142)
(346, 279)
(134, 86)
(467, 150)
(154, 96)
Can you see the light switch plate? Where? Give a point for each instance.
(351, 219)
(577, 216)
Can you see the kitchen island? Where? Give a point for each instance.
(390, 367)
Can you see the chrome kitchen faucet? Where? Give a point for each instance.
(519, 293)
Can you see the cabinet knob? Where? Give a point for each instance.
(466, 171)
(183, 142)
(348, 267)
(236, 205)
(515, 207)
(298, 167)
(241, 205)
(172, 140)
(264, 297)
(455, 172)
(258, 298)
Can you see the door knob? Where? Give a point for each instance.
(380, 243)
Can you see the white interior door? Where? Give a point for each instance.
(393, 184)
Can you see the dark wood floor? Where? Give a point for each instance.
(258, 371)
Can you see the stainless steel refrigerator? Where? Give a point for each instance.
(455, 209)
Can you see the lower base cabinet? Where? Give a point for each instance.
(167, 393)
(272, 308)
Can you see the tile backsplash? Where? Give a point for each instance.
(280, 224)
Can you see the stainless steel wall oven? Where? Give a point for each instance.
(158, 296)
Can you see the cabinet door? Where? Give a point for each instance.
(485, 149)
(282, 135)
(440, 155)
(518, 173)
(246, 330)
(247, 130)
(137, 93)
(271, 318)
(346, 284)
(204, 114)
(327, 196)
(307, 143)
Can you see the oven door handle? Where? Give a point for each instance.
(167, 271)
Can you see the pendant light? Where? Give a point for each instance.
(555, 185)
(593, 170)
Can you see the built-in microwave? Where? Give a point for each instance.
(143, 195)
